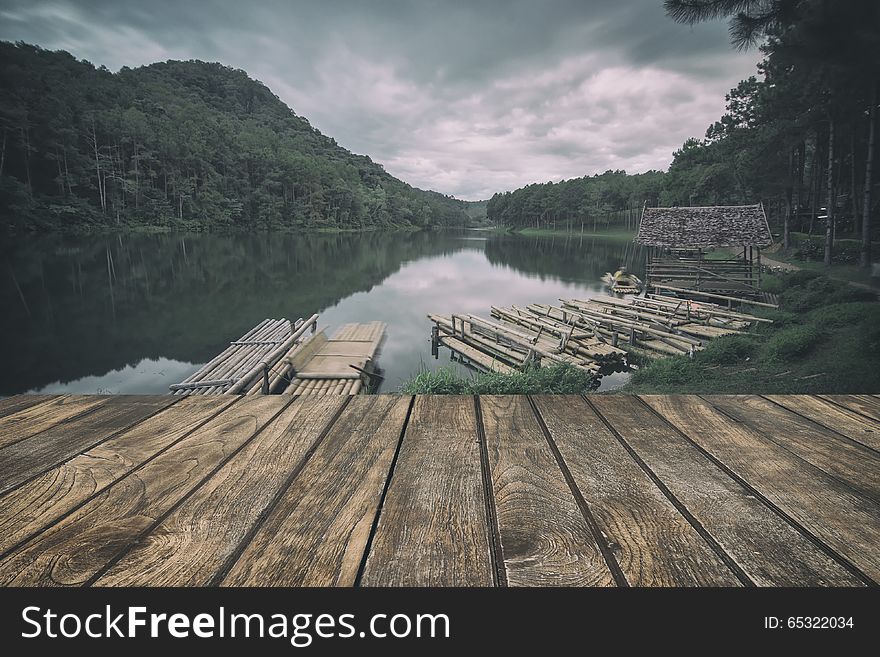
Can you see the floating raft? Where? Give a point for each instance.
(593, 334)
(244, 365)
(517, 338)
(336, 366)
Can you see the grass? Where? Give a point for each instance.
(825, 338)
(562, 379)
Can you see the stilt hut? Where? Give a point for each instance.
(680, 241)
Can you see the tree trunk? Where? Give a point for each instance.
(829, 220)
(101, 195)
(3, 153)
(865, 260)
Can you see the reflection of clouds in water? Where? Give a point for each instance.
(462, 282)
(146, 377)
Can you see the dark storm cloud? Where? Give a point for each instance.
(467, 98)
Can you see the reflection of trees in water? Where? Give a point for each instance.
(84, 305)
(573, 259)
(75, 306)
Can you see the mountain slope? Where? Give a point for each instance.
(181, 144)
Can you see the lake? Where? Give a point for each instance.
(132, 313)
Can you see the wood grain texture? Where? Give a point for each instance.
(32, 420)
(41, 501)
(865, 404)
(545, 539)
(433, 530)
(16, 403)
(197, 539)
(766, 547)
(51, 447)
(70, 552)
(317, 533)
(844, 520)
(852, 463)
(653, 543)
(852, 425)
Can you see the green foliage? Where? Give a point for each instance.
(791, 342)
(816, 291)
(729, 349)
(772, 283)
(588, 204)
(186, 145)
(834, 347)
(812, 248)
(561, 379)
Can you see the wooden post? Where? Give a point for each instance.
(435, 339)
(265, 389)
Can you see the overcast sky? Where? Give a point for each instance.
(464, 97)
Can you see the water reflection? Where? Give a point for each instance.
(135, 313)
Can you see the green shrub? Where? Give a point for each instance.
(791, 342)
(728, 350)
(561, 379)
(772, 283)
(665, 373)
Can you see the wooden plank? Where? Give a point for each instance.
(863, 404)
(41, 501)
(317, 533)
(545, 539)
(191, 546)
(31, 421)
(852, 425)
(855, 465)
(768, 549)
(26, 459)
(77, 547)
(653, 543)
(433, 530)
(16, 403)
(844, 520)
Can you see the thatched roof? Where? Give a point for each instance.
(719, 225)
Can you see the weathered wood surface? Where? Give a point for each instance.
(651, 541)
(433, 530)
(394, 490)
(852, 463)
(191, 546)
(768, 550)
(866, 405)
(32, 419)
(545, 538)
(847, 423)
(44, 499)
(805, 493)
(83, 543)
(317, 533)
(28, 458)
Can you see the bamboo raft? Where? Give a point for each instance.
(248, 364)
(593, 335)
(340, 365)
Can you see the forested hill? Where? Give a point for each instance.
(180, 144)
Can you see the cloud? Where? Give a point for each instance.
(461, 97)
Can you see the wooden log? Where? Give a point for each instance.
(272, 357)
(715, 296)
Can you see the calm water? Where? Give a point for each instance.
(135, 313)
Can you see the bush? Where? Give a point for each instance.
(772, 283)
(843, 314)
(665, 373)
(790, 342)
(728, 350)
(562, 379)
(845, 252)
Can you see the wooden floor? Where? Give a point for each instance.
(439, 490)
